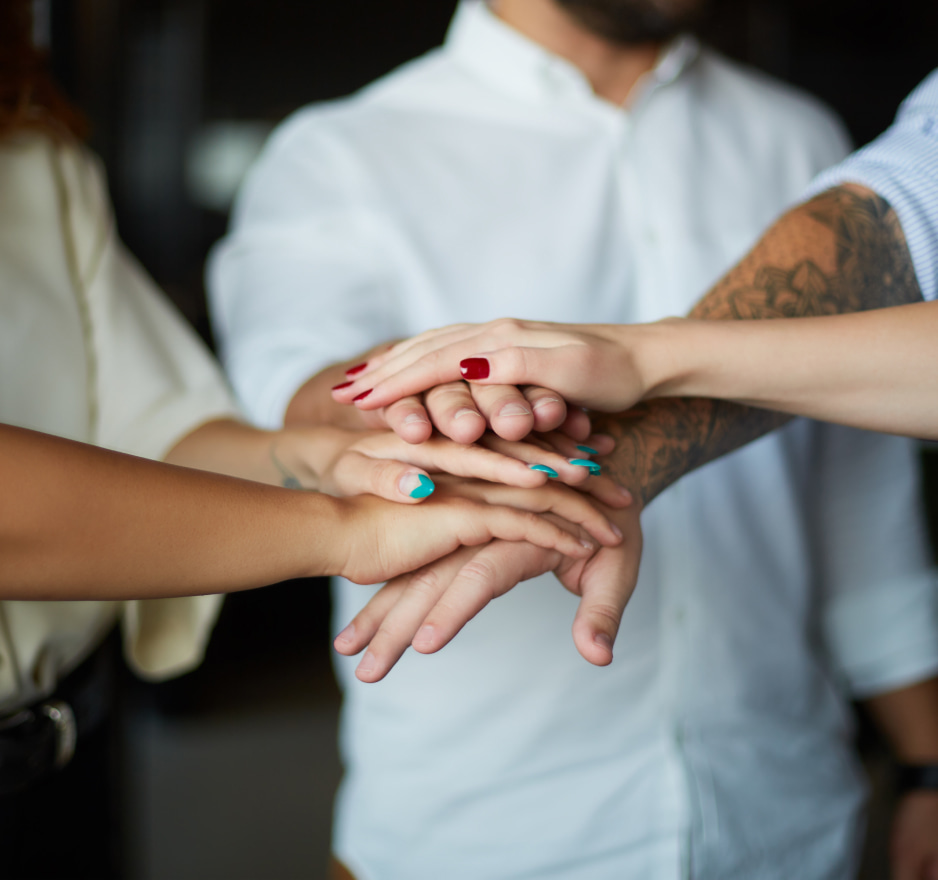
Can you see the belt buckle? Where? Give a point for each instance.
(66, 731)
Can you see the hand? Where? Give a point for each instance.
(588, 365)
(342, 462)
(381, 542)
(915, 837)
(427, 608)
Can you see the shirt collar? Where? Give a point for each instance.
(512, 63)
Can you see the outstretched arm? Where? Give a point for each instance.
(78, 522)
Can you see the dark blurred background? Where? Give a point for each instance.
(230, 771)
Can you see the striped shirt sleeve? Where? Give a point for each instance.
(901, 165)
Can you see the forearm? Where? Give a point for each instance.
(876, 370)
(841, 252)
(81, 522)
(908, 718)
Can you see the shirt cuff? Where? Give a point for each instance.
(884, 638)
(164, 638)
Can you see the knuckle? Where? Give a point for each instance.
(425, 583)
(607, 613)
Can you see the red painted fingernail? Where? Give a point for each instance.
(341, 385)
(356, 369)
(363, 395)
(474, 368)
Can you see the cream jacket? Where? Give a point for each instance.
(90, 351)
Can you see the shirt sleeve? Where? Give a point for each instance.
(303, 279)
(879, 608)
(902, 166)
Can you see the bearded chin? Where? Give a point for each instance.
(633, 22)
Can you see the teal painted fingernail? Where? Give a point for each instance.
(423, 489)
(544, 469)
(588, 450)
(594, 468)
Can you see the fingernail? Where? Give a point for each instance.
(625, 493)
(368, 663)
(342, 385)
(474, 368)
(413, 418)
(347, 634)
(351, 371)
(600, 639)
(615, 530)
(416, 485)
(363, 395)
(544, 469)
(465, 411)
(589, 545)
(425, 637)
(545, 401)
(594, 468)
(588, 450)
(514, 409)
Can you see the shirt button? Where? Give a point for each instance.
(679, 734)
(679, 614)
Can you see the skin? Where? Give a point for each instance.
(174, 531)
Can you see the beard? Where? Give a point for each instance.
(632, 22)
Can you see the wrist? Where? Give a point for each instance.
(658, 357)
(918, 776)
(328, 523)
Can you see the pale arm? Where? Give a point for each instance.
(876, 370)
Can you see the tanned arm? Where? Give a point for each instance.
(844, 251)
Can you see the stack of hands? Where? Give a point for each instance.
(503, 440)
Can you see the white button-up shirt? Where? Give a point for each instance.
(485, 179)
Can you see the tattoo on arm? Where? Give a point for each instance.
(288, 479)
(843, 251)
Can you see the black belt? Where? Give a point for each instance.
(40, 739)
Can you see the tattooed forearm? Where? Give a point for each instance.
(843, 251)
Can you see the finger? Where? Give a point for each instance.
(454, 413)
(385, 381)
(505, 409)
(357, 474)
(549, 408)
(441, 454)
(535, 452)
(595, 444)
(511, 524)
(408, 418)
(572, 508)
(488, 574)
(577, 425)
(417, 593)
(365, 624)
(605, 588)
(418, 345)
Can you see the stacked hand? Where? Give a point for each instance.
(590, 365)
(427, 608)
